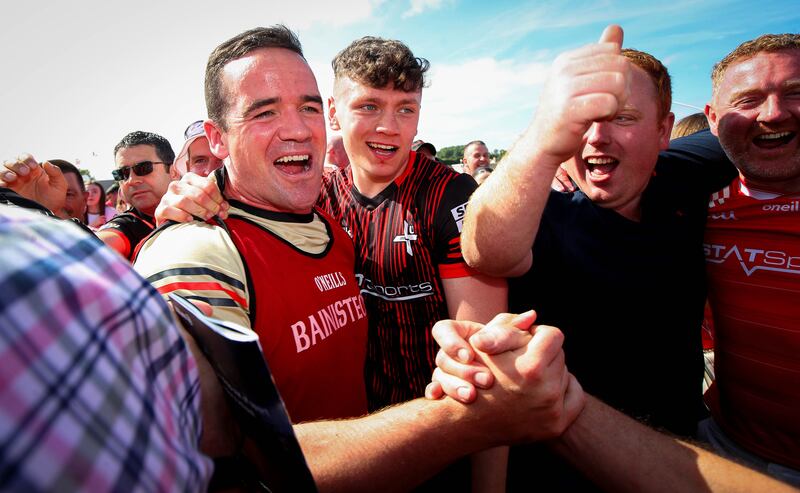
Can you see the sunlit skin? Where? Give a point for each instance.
(475, 156)
(378, 128)
(755, 111)
(75, 203)
(143, 192)
(201, 160)
(275, 135)
(617, 158)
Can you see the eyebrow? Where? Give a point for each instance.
(258, 103)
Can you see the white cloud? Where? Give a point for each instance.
(486, 99)
(420, 6)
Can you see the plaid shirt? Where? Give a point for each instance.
(98, 392)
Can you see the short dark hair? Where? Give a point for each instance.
(160, 144)
(378, 62)
(277, 36)
(766, 43)
(67, 167)
(658, 74)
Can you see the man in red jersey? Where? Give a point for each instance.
(306, 307)
(752, 248)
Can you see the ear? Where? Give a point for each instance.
(217, 139)
(333, 121)
(713, 119)
(666, 130)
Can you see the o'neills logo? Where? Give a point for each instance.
(394, 293)
(793, 206)
(318, 326)
(330, 281)
(753, 259)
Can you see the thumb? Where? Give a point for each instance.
(54, 173)
(612, 34)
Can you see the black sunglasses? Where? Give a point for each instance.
(139, 169)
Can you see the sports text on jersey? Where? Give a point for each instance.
(330, 281)
(394, 293)
(318, 326)
(753, 259)
(793, 206)
(458, 214)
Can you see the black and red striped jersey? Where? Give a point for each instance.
(407, 239)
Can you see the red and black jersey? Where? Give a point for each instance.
(407, 239)
(132, 226)
(752, 247)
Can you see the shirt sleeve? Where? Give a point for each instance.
(199, 262)
(448, 222)
(698, 161)
(129, 228)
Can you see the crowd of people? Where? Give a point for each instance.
(379, 280)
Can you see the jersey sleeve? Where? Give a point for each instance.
(698, 161)
(199, 262)
(129, 228)
(448, 222)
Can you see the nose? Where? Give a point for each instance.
(295, 127)
(773, 109)
(387, 123)
(599, 133)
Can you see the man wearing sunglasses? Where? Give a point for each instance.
(144, 172)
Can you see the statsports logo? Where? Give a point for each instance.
(753, 259)
(458, 214)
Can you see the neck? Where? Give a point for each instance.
(369, 185)
(783, 187)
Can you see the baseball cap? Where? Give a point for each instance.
(192, 133)
(421, 143)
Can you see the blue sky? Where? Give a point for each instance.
(80, 75)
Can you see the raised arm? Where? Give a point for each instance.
(586, 85)
(43, 183)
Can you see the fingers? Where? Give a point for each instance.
(455, 387)
(612, 34)
(474, 372)
(433, 391)
(192, 196)
(19, 168)
(505, 332)
(452, 335)
(55, 175)
(203, 307)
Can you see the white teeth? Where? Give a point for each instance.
(600, 160)
(286, 159)
(382, 146)
(773, 136)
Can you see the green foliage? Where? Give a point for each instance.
(450, 155)
(87, 175)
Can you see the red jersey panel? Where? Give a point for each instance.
(407, 238)
(752, 248)
(310, 318)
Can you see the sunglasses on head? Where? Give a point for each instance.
(139, 169)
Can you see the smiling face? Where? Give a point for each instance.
(475, 156)
(378, 127)
(274, 131)
(755, 111)
(616, 161)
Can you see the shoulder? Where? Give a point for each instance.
(187, 243)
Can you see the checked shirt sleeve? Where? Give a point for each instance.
(98, 392)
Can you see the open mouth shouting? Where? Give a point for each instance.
(382, 150)
(772, 140)
(294, 164)
(600, 167)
